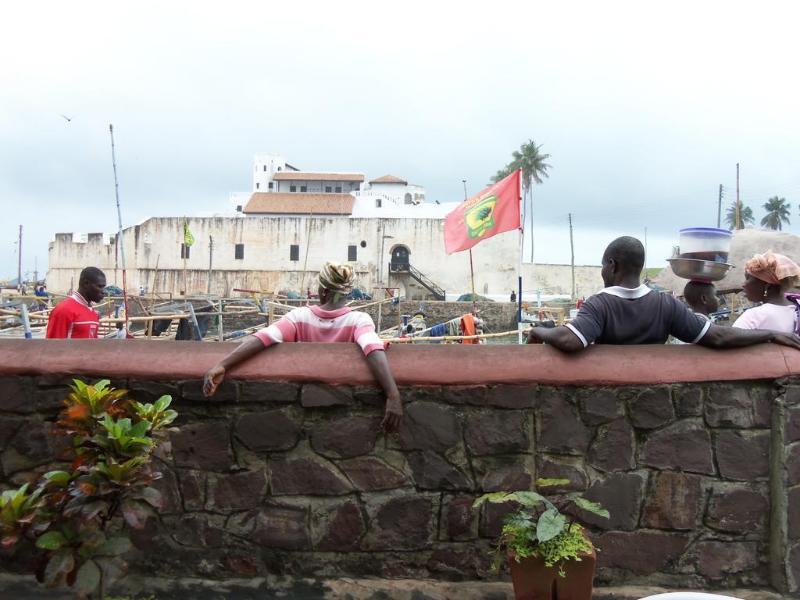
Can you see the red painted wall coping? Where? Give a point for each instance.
(420, 365)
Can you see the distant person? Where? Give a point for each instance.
(330, 321)
(73, 317)
(767, 279)
(701, 296)
(513, 297)
(626, 312)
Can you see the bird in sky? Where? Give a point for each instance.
(68, 119)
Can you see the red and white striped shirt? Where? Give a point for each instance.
(313, 324)
(73, 318)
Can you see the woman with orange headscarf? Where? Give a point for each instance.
(767, 279)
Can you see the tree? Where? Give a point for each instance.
(745, 216)
(534, 168)
(777, 213)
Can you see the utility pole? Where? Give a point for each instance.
(35, 270)
(572, 257)
(471, 269)
(210, 260)
(719, 208)
(19, 264)
(737, 224)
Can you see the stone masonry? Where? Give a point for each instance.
(295, 479)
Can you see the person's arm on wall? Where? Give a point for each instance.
(730, 337)
(379, 366)
(214, 376)
(562, 338)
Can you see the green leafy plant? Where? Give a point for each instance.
(539, 528)
(78, 517)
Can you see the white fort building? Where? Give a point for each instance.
(276, 238)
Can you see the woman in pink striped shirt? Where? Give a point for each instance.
(330, 321)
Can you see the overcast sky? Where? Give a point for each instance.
(644, 108)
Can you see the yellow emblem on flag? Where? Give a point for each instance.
(480, 218)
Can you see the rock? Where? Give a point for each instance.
(192, 485)
(463, 394)
(674, 501)
(684, 445)
(793, 514)
(614, 447)
(313, 396)
(402, 523)
(346, 437)
(429, 426)
(192, 390)
(793, 464)
(306, 476)
(729, 406)
(688, 401)
(16, 395)
(269, 430)
(559, 425)
(460, 519)
(497, 432)
(281, 527)
(204, 445)
(742, 454)
(717, 559)
(511, 396)
(239, 491)
(500, 473)
(195, 530)
(30, 447)
(432, 472)
(268, 391)
(793, 424)
(737, 510)
(492, 517)
(167, 486)
(150, 391)
(342, 527)
(8, 428)
(370, 474)
(619, 493)
(599, 406)
(651, 408)
(562, 467)
(641, 552)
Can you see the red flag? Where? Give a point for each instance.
(492, 211)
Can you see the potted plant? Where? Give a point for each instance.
(548, 553)
(77, 518)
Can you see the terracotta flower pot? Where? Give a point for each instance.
(534, 581)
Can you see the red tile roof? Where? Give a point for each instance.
(389, 179)
(309, 176)
(266, 203)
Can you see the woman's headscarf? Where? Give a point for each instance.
(337, 278)
(771, 267)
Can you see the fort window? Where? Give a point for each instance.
(257, 185)
(270, 185)
(377, 202)
(328, 189)
(185, 251)
(294, 252)
(352, 253)
(409, 199)
(303, 188)
(239, 252)
(338, 189)
(292, 188)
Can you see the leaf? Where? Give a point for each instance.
(163, 403)
(9, 540)
(527, 498)
(152, 496)
(592, 507)
(115, 546)
(92, 509)
(60, 478)
(551, 482)
(88, 578)
(59, 566)
(494, 497)
(550, 524)
(102, 384)
(135, 513)
(52, 540)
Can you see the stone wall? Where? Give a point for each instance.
(291, 475)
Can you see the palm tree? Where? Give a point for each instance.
(745, 216)
(777, 213)
(534, 168)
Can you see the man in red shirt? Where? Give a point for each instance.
(73, 317)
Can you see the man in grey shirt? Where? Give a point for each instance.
(626, 312)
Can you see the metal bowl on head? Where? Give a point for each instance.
(693, 268)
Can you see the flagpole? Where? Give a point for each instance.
(471, 268)
(119, 234)
(521, 248)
